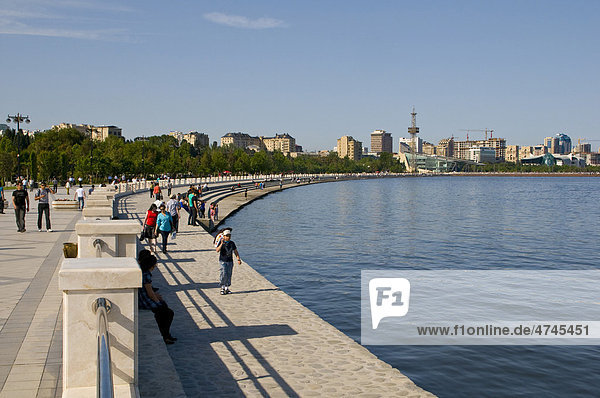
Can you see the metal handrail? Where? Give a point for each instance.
(104, 379)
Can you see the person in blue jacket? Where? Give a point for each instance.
(164, 225)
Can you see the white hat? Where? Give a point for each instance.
(227, 232)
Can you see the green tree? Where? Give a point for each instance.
(260, 162)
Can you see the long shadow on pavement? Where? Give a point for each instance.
(201, 369)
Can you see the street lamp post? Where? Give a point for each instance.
(92, 162)
(18, 119)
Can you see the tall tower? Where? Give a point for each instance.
(413, 130)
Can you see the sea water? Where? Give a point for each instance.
(313, 242)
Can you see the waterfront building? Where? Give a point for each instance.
(592, 159)
(404, 143)
(525, 152)
(433, 164)
(381, 141)
(349, 147)
(539, 150)
(281, 142)
(553, 159)
(499, 146)
(512, 154)
(560, 143)
(462, 148)
(445, 147)
(240, 140)
(482, 154)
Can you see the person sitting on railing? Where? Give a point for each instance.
(149, 299)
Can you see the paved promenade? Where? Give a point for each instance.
(30, 302)
(257, 341)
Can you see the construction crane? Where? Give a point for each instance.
(486, 131)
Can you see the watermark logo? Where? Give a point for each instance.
(389, 297)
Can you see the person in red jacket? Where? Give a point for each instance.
(150, 226)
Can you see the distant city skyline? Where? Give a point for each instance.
(314, 70)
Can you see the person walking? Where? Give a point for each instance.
(193, 203)
(148, 299)
(202, 208)
(169, 188)
(20, 199)
(1, 197)
(150, 227)
(68, 186)
(164, 226)
(80, 197)
(173, 209)
(55, 185)
(216, 208)
(211, 216)
(226, 249)
(157, 192)
(43, 196)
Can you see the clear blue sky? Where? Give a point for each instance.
(314, 69)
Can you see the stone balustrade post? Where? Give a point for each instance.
(82, 281)
(107, 238)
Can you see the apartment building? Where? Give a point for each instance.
(348, 146)
(381, 141)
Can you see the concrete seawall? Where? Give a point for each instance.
(257, 341)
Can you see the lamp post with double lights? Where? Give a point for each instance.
(90, 130)
(18, 119)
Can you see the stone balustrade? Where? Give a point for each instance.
(97, 213)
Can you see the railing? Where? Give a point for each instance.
(104, 381)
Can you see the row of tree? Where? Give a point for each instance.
(68, 153)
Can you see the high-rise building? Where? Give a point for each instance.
(512, 153)
(583, 148)
(348, 146)
(461, 148)
(560, 144)
(381, 141)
